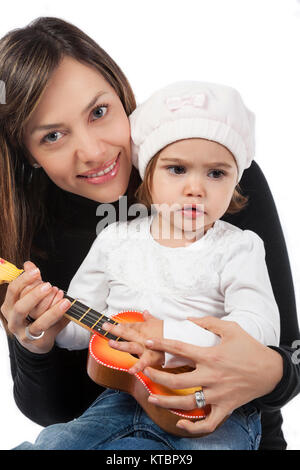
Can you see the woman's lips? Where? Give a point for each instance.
(88, 178)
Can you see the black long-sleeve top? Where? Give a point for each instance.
(54, 387)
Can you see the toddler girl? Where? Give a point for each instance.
(191, 143)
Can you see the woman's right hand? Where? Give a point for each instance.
(29, 295)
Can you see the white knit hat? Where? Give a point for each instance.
(189, 110)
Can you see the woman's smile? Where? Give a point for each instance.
(103, 173)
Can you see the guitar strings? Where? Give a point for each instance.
(91, 317)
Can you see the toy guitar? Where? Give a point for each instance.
(109, 367)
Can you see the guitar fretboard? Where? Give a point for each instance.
(89, 318)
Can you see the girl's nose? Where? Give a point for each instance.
(194, 187)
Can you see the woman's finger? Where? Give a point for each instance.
(15, 288)
(176, 347)
(29, 301)
(181, 402)
(205, 426)
(46, 302)
(58, 297)
(173, 381)
(49, 318)
(29, 287)
(213, 324)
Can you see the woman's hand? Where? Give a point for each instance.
(135, 335)
(236, 371)
(29, 295)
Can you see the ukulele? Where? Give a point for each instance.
(109, 367)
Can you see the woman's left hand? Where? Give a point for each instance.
(135, 335)
(236, 371)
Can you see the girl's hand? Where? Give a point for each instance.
(135, 335)
(236, 371)
(29, 295)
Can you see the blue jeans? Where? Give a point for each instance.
(116, 421)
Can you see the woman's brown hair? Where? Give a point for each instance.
(143, 192)
(28, 57)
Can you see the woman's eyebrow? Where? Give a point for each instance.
(46, 127)
(93, 101)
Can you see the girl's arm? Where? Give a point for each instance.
(89, 285)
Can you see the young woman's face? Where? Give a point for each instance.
(193, 174)
(80, 134)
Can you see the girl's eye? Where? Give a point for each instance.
(99, 112)
(176, 169)
(52, 137)
(217, 174)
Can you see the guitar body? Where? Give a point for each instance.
(109, 367)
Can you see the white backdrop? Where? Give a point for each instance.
(252, 45)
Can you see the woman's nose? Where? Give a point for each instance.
(89, 148)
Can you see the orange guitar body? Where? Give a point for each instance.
(109, 367)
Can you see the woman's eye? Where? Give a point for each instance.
(52, 137)
(217, 174)
(177, 170)
(99, 112)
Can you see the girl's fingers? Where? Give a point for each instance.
(130, 347)
(125, 331)
(147, 315)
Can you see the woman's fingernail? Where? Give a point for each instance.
(33, 272)
(46, 287)
(179, 425)
(149, 342)
(152, 399)
(105, 326)
(65, 304)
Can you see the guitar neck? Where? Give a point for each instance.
(88, 318)
(78, 312)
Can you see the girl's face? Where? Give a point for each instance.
(80, 134)
(188, 173)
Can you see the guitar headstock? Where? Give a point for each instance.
(8, 271)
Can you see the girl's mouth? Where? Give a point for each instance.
(102, 176)
(193, 211)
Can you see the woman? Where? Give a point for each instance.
(65, 122)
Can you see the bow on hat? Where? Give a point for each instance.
(177, 102)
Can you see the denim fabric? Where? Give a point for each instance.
(115, 421)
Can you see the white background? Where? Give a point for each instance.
(252, 45)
